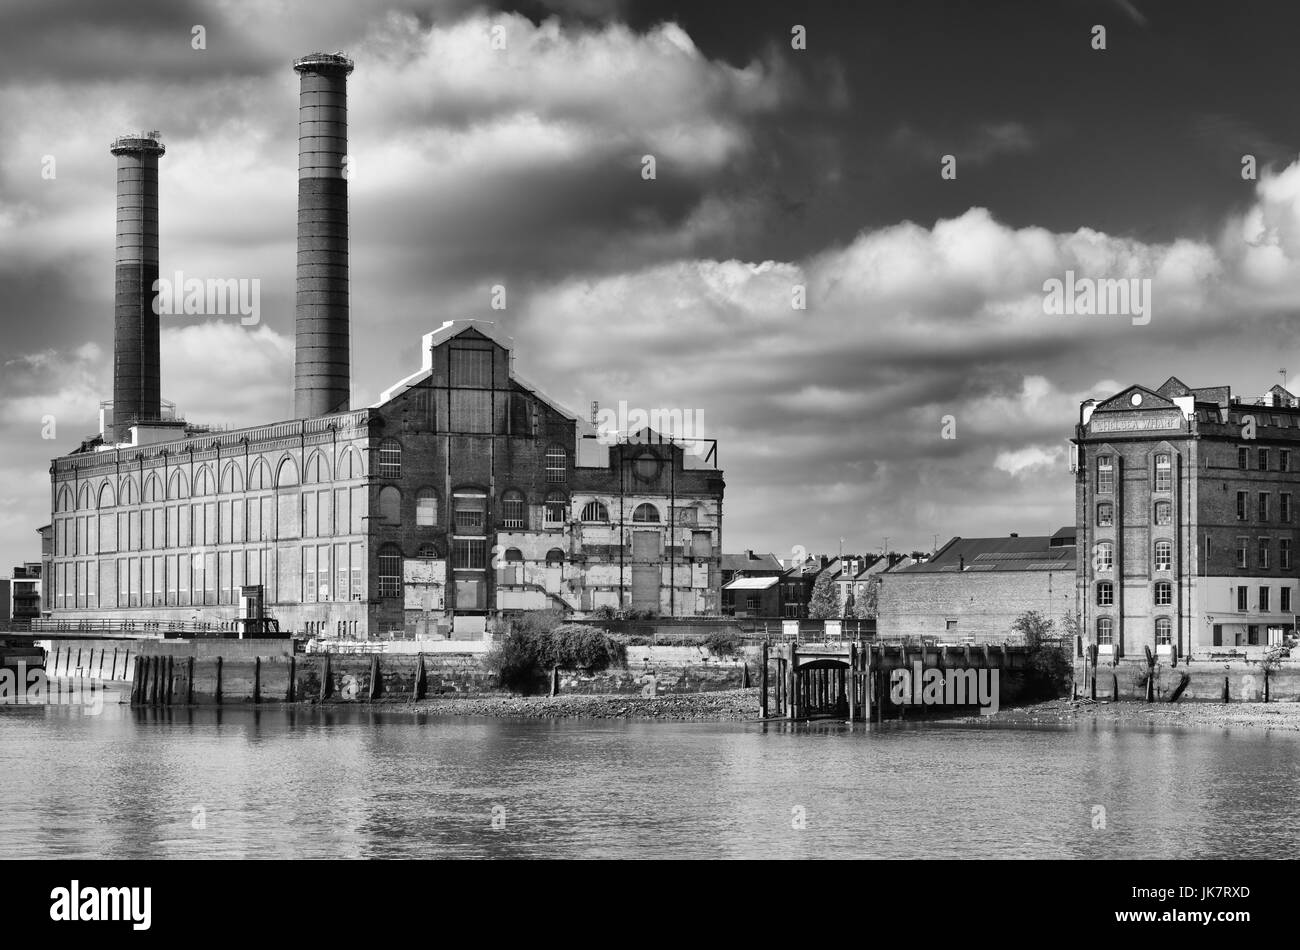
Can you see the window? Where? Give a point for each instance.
(1105, 630)
(1241, 506)
(1164, 631)
(557, 508)
(1284, 597)
(646, 513)
(1263, 460)
(1164, 478)
(1164, 512)
(1284, 460)
(1241, 552)
(1263, 506)
(1164, 593)
(1104, 556)
(1243, 597)
(1105, 594)
(1263, 598)
(512, 509)
(594, 511)
(390, 570)
(557, 464)
(514, 556)
(1284, 554)
(1105, 474)
(470, 366)
(1284, 506)
(1164, 555)
(390, 505)
(752, 602)
(426, 507)
(427, 552)
(390, 459)
(1243, 456)
(467, 512)
(469, 554)
(1105, 515)
(1263, 553)
(554, 557)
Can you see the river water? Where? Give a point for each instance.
(356, 783)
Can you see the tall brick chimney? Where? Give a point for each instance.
(136, 386)
(322, 363)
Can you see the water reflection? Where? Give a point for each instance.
(302, 782)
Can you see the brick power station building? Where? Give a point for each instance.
(1185, 506)
(462, 493)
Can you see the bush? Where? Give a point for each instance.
(722, 643)
(1049, 671)
(539, 642)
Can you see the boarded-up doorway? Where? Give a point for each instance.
(646, 558)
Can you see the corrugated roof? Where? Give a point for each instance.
(752, 583)
(1032, 553)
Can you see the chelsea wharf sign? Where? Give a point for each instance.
(1134, 423)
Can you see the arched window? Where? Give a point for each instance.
(554, 557)
(1105, 630)
(515, 556)
(426, 507)
(1105, 474)
(83, 496)
(129, 495)
(203, 482)
(349, 464)
(65, 500)
(259, 479)
(557, 464)
(390, 459)
(390, 505)
(316, 470)
(557, 508)
(153, 489)
(512, 509)
(1105, 594)
(1164, 555)
(1164, 593)
(1164, 512)
(1105, 514)
(646, 513)
(106, 498)
(286, 475)
(427, 552)
(232, 479)
(390, 570)
(595, 511)
(1163, 473)
(1164, 631)
(1103, 558)
(178, 486)
(467, 512)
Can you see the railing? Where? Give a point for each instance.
(143, 628)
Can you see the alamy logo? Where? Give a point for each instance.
(102, 903)
(935, 687)
(212, 297)
(24, 687)
(1088, 296)
(686, 425)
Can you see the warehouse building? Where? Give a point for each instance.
(462, 494)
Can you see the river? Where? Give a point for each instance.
(309, 783)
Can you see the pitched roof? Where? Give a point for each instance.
(751, 561)
(1032, 553)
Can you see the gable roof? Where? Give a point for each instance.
(1031, 553)
(1123, 401)
(751, 561)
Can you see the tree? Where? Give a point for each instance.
(1049, 669)
(825, 602)
(867, 601)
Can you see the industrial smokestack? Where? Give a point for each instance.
(136, 387)
(322, 371)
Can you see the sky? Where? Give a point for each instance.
(776, 168)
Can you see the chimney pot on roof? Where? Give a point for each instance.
(1014, 535)
(749, 554)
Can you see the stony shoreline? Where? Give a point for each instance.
(741, 705)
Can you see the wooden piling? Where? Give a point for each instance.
(291, 691)
(169, 683)
(376, 679)
(135, 683)
(257, 679)
(189, 681)
(853, 682)
(762, 684)
(155, 676)
(326, 680)
(1225, 689)
(421, 679)
(220, 666)
(112, 673)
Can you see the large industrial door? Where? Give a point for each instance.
(646, 559)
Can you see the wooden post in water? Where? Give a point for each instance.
(762, 684)
(169, 684)
(326, 680)
(867, 673)
(291, 692)
(794, 680)
(376, 679)
(257, 679)
(853, 682)
(189, 681)
(155, 675)
(217, 699)
(112, 673)
(421, 679)
(135, 683)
